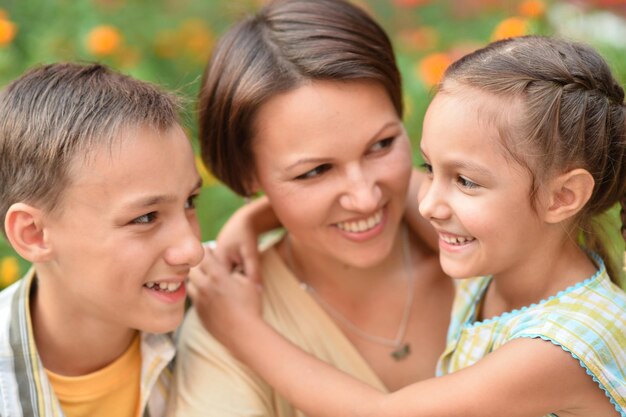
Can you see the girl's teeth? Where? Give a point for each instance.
(361, 225)
(456, 240)
(163, 286)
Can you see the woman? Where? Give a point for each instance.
(303, 102)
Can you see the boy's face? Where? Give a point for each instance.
(126, 233)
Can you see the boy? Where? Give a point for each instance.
(97, 182)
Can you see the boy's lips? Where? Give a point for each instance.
(165, 285)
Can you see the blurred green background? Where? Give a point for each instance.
(169, 41)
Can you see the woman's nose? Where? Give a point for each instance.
(363, 194)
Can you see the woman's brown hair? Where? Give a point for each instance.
(287, 43)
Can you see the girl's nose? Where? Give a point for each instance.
(432, 203)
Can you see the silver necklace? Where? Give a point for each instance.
(401, 349)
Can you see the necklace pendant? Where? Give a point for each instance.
(401, 352)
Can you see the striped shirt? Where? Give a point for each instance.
(587, 320)
(24, 387)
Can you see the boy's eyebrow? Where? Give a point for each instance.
(321, 160)
(156, 199)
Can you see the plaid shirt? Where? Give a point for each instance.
(24, 387)
(588, 320)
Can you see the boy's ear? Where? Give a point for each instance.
(24, 225)
(568, 194)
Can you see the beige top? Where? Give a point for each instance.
(209, 381)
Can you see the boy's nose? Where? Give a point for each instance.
(186, 248)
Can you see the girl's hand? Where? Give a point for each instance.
(238, 239)
(226, 301)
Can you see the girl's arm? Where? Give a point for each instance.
(238, 239)
(525, 377)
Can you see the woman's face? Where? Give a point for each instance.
(335, 162)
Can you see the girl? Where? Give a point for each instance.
(524, 145)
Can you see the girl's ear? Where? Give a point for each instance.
(24, 225)
(568, 194)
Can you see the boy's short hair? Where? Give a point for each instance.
(55, 113)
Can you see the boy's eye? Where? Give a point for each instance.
(191, 202)
(466, 183)
(382, 144)
(145, 219)
(315, 172)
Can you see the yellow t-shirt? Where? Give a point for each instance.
(110, 391)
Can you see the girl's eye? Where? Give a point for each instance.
(428, 168)
(382, 144)
(465, 183)
(315, 172)
(145, 219)
(191, 202)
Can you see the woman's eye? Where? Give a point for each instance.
(428, 168)
(465, 183)
(315, 172)
(145, 219)
(382, 144)
(191, 202)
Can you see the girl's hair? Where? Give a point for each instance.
(573, 115)
(286, 44)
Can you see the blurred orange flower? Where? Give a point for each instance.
(420, 39)
(432, 67)
(409, 3)
(532, 8)
(3, 14)
(9, 271)
(196, 38)
(508, 28)
(8, 30)
(104, 40)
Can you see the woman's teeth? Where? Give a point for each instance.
(362, 225)
(163, 286)
(456, 240)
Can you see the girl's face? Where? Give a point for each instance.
(335, 162)
(476, 196)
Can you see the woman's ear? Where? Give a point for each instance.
(568, 194)
(24, 226)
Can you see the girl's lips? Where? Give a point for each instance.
(454, 243)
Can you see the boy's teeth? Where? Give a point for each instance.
(163, 286)
(362, 225)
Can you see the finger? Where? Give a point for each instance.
(251, 265)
